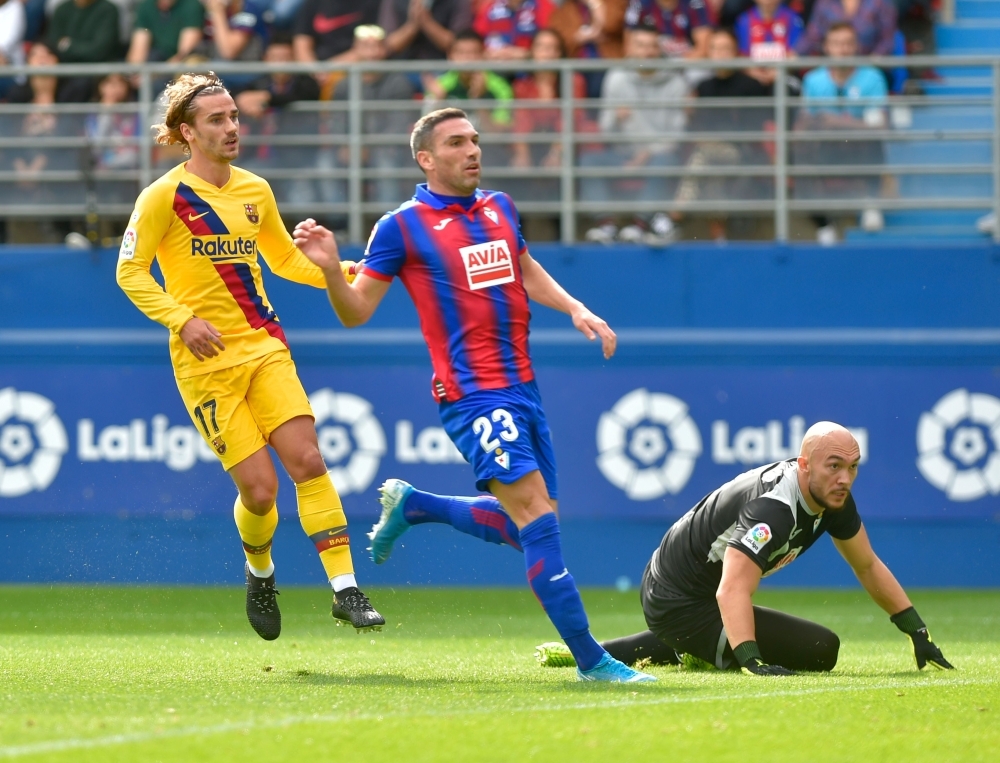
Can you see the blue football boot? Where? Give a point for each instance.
(611, 670)
(392, 523)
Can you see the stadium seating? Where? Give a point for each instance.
(976, 30)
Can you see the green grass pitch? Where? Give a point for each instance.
(175, 674)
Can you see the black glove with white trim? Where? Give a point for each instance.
(925, 651)
(748, 656)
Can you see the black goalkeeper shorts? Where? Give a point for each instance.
(693, 625)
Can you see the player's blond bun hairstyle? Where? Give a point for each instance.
(179, 105)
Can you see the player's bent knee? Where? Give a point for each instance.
(259, 497)
(827, 652)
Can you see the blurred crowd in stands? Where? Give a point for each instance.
(199, 32)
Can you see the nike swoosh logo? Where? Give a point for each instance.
(442, 224)
(192, 218)
(560, 576)
(327, 24)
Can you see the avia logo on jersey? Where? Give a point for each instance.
(647, 444)
(757, 537)
(488, 264)
(32, 442)
(350, 438)
(958, 442)
(223, 247)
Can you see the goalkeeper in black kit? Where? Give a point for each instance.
(696, 590)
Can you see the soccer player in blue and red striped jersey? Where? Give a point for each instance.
(459, 252)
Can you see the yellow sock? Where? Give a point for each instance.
(256, 532)
(323, 519)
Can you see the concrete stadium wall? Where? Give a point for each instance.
(726, 354)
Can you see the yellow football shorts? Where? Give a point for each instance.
(236, 409)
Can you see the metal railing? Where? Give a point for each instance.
(325, 158)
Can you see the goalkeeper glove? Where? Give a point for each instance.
(748, 656)
(925, 651)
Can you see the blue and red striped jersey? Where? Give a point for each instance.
(768, 39)
(460, 264)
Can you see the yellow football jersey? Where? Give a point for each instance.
(206, 240)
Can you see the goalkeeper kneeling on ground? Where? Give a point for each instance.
(696, 590)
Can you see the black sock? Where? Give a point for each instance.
(631, 649)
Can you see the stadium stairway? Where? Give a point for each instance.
(975, 31)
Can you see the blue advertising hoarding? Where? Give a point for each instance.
(632, 443)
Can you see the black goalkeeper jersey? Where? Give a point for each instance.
(761, 513)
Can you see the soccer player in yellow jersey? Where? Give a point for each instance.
(206, 221)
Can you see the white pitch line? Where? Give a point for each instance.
(64, 745)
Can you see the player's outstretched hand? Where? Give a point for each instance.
(317, 243)
(592, 327)
(202, 338)
(757, 667)
(926, 652)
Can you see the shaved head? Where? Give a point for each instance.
(828, 465)
(827, 433)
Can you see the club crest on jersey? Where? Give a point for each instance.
(220, 446)
(251, 213)
(503, 459)
(757, 537)
(488, 264)
(492, 215)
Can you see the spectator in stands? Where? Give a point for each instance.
(166, 30)
(651, 125)
(580, 25)
(29, 162)
(832, 89)
(726, 83)
(874, 23)
(508, 26)
(477, 85)
(113, 130)
(113, 135)
(730, 10)
(234, 30)
(684, 26)
(369, 46)
(12, 27)
(324, 29)
(417, 30)
(83, 32)
(262, 106)
(544, 86)
(768, 32)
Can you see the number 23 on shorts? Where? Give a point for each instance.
(484, 428)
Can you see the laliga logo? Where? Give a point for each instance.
(353, 433)
(647, 444)
(32, 442)
(954, 442)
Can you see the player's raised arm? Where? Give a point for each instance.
(354, 302)
(283, 257)
(545, 290)
(885, 590)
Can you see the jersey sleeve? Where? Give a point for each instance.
(522, 245)
(386, 250)
(742, 30)
(146, 230)
(279, 251)
(763, 525)
(846, 523)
